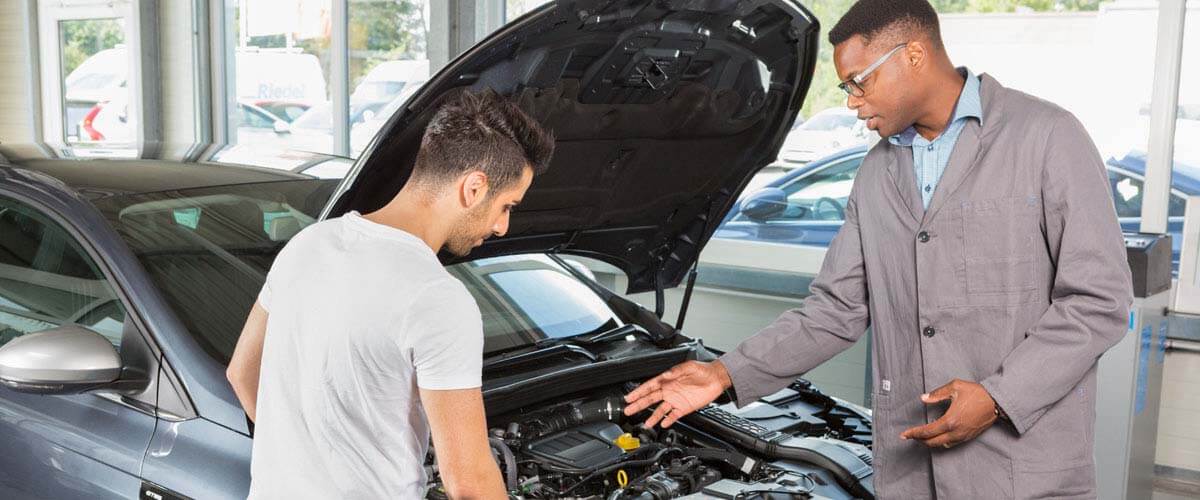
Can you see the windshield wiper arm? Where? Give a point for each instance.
(615, 333)
(506, 361)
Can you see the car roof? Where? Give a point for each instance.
(818, 164)
(1184, 177)
(96, 178)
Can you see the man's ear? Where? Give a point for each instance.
(474, 189)
(916, 54)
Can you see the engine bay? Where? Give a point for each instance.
(796, 443)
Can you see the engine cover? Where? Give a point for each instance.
(588, 446)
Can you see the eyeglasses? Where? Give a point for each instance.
(853, 86)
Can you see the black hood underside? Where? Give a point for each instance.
(663, 110)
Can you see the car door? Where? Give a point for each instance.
(1127, 188)
(815, 208)
(87, 445)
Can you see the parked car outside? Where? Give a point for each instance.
(806, 206)
(826, 132)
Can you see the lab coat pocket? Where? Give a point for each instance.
(1000, 240)
(1067, 481)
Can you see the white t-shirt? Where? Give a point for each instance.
(360, 316)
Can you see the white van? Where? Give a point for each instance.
(279, 75)
(388, 79)
(263, 75)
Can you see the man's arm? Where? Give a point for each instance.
(445, 342)
(247, 360)
(459, 429)
(1092, 287)
(831, 320)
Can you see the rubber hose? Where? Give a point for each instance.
(510, 462)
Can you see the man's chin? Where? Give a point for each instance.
(458, 251)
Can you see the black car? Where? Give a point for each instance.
(124, 284)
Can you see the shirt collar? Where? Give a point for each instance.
(969, 105)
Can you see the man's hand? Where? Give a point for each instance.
(683, 389)
(972, 410)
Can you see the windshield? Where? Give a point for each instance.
(208, 250)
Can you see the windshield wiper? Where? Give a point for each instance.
(514, 359)
(576, 345)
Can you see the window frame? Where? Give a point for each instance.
(172, 404)
(141, 40)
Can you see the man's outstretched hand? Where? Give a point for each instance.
(972, 410)
(683, 389)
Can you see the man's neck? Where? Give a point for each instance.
(412, 213)
(941, 101)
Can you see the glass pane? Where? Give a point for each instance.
(96, 108)
(1035, 51)
(525, 298)
(281, 74)
(823, 195)
(517, 8)
(47, 280)
(389, 61)
(208, 250)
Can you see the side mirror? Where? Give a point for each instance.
(282, 127)
(766, 203)
(66, 360)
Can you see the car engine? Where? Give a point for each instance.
(797, 443)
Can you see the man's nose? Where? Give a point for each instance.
(854, 102)
(501, 227)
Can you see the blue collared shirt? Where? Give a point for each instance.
(931, 157)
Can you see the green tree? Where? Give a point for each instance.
(81, 39)
(380, 30)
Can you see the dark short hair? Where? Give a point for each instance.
(870, 18)
(481, 131)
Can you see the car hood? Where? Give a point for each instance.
(662, 110)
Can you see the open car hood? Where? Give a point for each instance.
(663, 110)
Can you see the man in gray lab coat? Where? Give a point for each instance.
(982, 247)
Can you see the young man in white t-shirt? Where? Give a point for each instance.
(361, 344)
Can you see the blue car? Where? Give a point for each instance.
(806, 206)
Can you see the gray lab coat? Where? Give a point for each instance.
(1015, 277)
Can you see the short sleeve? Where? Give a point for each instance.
(444, 333)
(264, 296)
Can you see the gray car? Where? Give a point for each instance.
(124, 284)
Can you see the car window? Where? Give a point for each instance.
(208, 249)
(247, 117)
(1127, 196)
(526, 298)
(822, 195)
(47, 280)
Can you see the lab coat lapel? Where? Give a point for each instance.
(901, 172)
(962, 161)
